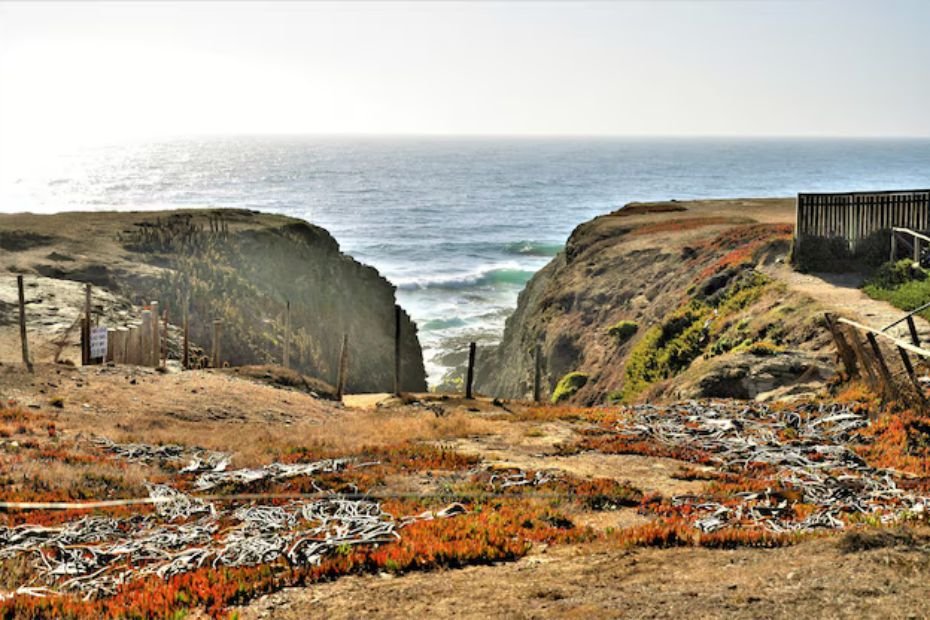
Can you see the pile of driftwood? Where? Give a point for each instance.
(805, 448)
(93, 556)
(199, 459)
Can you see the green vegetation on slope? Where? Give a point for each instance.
(902, 284)
(622, 331)
(568, 386)
(703, 326)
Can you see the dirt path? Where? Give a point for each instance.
(841, 293)
(813, 579)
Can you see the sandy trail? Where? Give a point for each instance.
(841, 293)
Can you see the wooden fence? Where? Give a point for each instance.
(884, 362)
(854, 216)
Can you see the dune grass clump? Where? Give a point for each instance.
(622, 331)
(568, 386)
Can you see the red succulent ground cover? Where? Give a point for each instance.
(499, 525)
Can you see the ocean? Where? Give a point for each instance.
(458, 224)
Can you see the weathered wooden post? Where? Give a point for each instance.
(111, 345)
(186, 357)
(537, 374)
(120, 344)
(287, 334)
(164, 340)
(915, 339)
(470, 374)
(343, 367)
(888, 388)
(917, 250)
(396, 350)
(145, 339)
(217, 335)
(85, 328)
(156, 336)
(133, 345)
(22, 323)
(894, 245)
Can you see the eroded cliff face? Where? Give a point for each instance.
(239, 266)
(664, 299)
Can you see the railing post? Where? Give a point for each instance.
(894, 245)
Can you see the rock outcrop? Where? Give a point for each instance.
(240, 266)
(665, 299)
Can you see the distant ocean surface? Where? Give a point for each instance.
(458, 224)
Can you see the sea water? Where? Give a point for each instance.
(457, 224)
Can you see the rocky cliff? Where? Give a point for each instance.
(239, 266)
(664, 299)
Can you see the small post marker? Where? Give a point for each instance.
(217, 335)
(22, 323)
(343, 367)
(85, 328)
(186, 359)
(396, 350)
(156, 337)
(537, 374)
(470, 376)
(287, 334)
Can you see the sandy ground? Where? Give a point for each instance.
(815, 579)
(841, 292)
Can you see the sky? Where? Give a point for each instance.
(75, 72)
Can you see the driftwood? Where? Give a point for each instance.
(94, 556)
(805, 448)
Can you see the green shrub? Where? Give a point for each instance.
(890, 274)
(764, 348)
(667, 349)
(900, 284)
(622, 331)
(568, 386)
(832, 254)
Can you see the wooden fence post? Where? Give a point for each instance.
(111, 345)
(915, 339)
(85, 329)
(186, 358)
(119, 346)
(133, 345)
(22, 323)
(396, 350)
(470, 375)
(164, 341)
(894, 245)
(145, 339)
(217, 335)
(156, 337)
(537, 374)
(886, 380)
(343, 367)
(287, 334)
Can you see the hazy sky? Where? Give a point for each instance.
(72, 70)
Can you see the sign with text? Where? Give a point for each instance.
(98, 342)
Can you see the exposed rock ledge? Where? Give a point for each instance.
(745, 336)
(237, 265)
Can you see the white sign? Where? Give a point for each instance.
(98, 342)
